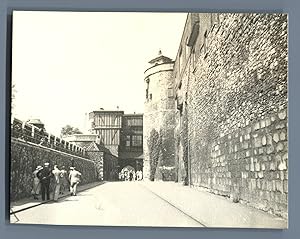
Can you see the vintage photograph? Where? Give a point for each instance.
(149, 119)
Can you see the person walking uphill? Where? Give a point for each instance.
(74, 178)
(63, 180)
(56, 173)
(36, 183)
(44, 176)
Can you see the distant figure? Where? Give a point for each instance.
(36, 183)
(122, 176)
(126, 176)
(74, 178)
(130, 176)
(63, 180)
(44, 176)
(140, 175)
(56, 173)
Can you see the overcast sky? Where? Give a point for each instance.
(66, 64)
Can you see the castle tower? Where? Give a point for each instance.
(159, 118)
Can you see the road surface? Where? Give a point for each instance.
(109, 204)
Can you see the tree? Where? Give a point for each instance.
(69, 130)
(154, 145)
(13, 99)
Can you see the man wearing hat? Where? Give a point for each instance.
(74, 178)
(44, 175)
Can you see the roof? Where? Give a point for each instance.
(35, 121)
(161, 59)
(108, 111)
(132, 115)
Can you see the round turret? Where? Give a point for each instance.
(159, 112)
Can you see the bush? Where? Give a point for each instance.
(154, 145)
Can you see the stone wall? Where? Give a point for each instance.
(98, 158)
(25, 157)
(110, 167)
(159, 115)
(233, 125)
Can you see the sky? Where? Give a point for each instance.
(67, 64)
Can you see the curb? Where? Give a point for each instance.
(47, 201)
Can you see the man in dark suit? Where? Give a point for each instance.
(44, 175)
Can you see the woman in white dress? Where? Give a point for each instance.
(36, 186)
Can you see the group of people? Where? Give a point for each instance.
(131, 175)
(43, 175)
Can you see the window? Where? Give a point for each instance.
(137, 140)
(187, 49)
(180, 60)
(205, 43)
(170, 93)
(127, 141)
(147, 90)
(134, 122)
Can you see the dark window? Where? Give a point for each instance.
(134, 122)
(137, 140)
(180, 60)
(205, 43)
(170, 92)
(127, 140)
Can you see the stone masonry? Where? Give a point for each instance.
(26, 156)
(225, 129)
(231, 91)
(159, 115)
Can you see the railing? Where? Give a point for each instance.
(33, 134)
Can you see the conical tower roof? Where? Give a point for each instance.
(160, 59)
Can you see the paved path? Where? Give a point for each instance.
(213, 210)
(164, 204)
(113, 203)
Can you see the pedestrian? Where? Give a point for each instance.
(140, 175)
(126, 175)
(63, 180)
(36, 183)
(44, 176)
(74, 178)
(56, 173)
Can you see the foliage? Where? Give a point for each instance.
(154, 145)
(69, 130)
(13, 97)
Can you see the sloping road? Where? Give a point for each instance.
(110, 204)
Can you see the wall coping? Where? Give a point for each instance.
(20, 141)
